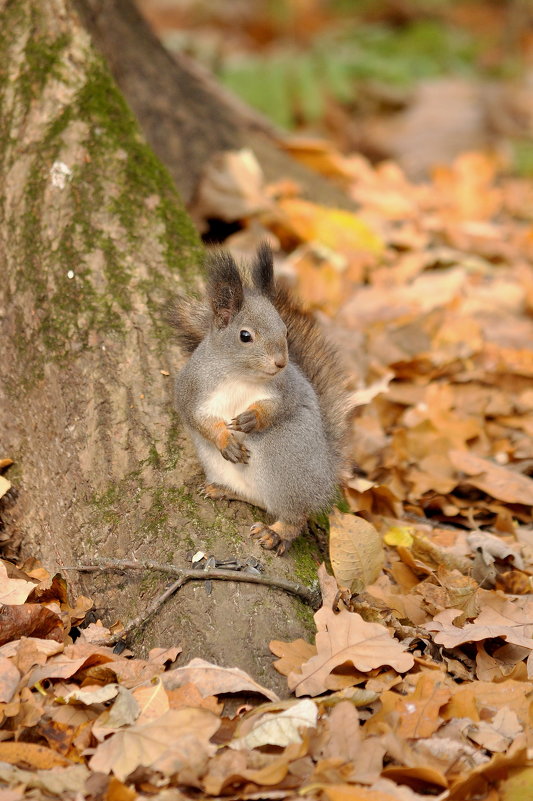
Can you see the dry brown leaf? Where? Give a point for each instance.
(279, 728)
(152, 699)
(5, 484)
(342, 735)
(27, 620)
(231, 188)
(500, 482)
(129, 748)
(65, 665)
(477, 700)
(229, 770)
(355, 550)
(163, 655)
(419, 712)
(292, 655)
(36, 756)
(68, 782)
(488, 625)
(189, 695)
(9, 679)
(347, 638)
(13, 590)
(351, 792)
(319, 155)
(30, 651)
(212, 679)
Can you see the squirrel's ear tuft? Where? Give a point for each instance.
(263, 270)
(224, 288)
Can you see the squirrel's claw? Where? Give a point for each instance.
(268, 539)
(236, 452)
(245, 422)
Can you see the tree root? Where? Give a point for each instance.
(309, 596)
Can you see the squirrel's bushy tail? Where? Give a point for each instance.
(319, 361)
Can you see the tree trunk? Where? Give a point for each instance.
(93, 239)
(185, 115)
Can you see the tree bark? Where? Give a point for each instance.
(93, 238)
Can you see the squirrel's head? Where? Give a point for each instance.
(246, 327)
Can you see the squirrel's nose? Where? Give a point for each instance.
(280, 361)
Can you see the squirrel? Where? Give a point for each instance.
(261, 396)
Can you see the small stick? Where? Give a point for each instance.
(309, 596)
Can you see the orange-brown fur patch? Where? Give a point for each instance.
(262, 415)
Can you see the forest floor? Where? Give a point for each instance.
(418, 683)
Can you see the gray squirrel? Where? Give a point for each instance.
(261, 396)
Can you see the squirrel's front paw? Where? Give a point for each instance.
(268, 538)
(233, 450)
(246, 421)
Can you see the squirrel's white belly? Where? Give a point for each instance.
(229, 399)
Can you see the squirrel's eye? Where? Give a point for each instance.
(245, 336)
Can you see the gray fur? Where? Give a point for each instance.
(293, 463)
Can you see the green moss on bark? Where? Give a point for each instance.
(118, 194)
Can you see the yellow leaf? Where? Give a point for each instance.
(340, 230)
(399, 535)
(518, 787)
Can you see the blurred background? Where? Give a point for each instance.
(417, 81)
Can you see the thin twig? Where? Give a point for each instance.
(309, 596)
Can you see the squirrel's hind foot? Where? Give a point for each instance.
(216, 492)
(276, 537)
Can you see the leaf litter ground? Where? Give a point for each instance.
(418, 683)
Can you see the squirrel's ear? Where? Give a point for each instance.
(263, 270)
(224, 288)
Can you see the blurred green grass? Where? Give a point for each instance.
(292, 85)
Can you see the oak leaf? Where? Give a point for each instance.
(347, 638)
(213, 680)
(487, 625)
(292, 655)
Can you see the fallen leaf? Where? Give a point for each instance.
(292, 655)
(342, 733)
(419, 712)
(36, 756)
(67, 782)
(500, 482)
(399, 535)
(340, 230)
(26, 620)
(9, 679)
(93, 695)
(355, 550)
(152, 700)
(129, 748)
(213, 680)
(124, 712)
(13, 590)
(483, 628)
(5, 485)
(163, 655)
(280, 729)
(231, 187)
(347, 638)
